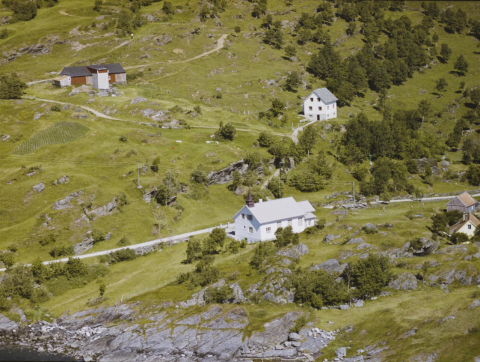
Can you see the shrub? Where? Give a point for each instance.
(205, 273)
(262, 251)
(123, 241)
(233, 247)
(55, 108)
(368, 275)
(226, 132)
(123, 138)
(98, 235)
(19, 281)
(62, 250)
(134, 75)
(223, 294)
(40, 295)
(237, 29)
(8, 259)
(285, 236)
(11, 86)
(305, 181)
(101, 289)
(265, 139)
(199, 176)
(47, 239)
(4, 34)
(75, 268)
(299, 324)
(458, 238)
(122, 200)
(122, 255)
(13, 248)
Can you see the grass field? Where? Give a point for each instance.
(88, 150)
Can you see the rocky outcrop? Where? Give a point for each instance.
(225, 175)
(102, 210)
(330, 237)
(331, 266)
(85, 245)
(113, 334)
(404, 281)
(65, 203)
(39, 187)
(355, 241)
(421, 246)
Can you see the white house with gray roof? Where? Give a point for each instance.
(320, 105)
(259, 221)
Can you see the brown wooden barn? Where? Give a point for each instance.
(463, 203)
(83, 74)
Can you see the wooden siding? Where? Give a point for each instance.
(79, 80)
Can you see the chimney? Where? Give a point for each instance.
(260, 200)
(464, 216)
(249, 202)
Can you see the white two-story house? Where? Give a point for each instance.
(320, 105)
(259, 221)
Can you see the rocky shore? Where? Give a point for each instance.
(128, 333)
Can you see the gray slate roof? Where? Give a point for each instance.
(280, 209)
(82, 71)
(113, 68)
(325, 95)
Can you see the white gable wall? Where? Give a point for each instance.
(260, 232)
(468, 229)
(100, 80)
(315, 109)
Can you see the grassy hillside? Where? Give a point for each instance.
(231, 85)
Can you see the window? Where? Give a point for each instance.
(300, 221)
(244, 227)
(310, 108)
(328, 107)
(279, 224)
(333, 106)
(319, 108)
(243, 216)
(249, 217)
(469, 227)
(250, 230)
(311, 99)
(318, 99)
(269, 230)
(290, 222)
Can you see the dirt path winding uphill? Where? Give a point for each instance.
(220, 44)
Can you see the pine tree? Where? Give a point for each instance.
(445, 52)
(461, 65)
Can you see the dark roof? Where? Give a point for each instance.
(325, 95)
(113, 68)
(80, 71)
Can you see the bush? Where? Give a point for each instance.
(19, 281)
(233, 247)
(219, 295)
(285, 236)
(305, 181)
(368, 276)
(4, 34)
(197, 109)
(312, 230)
(134, 75)
(55, 108)
(47, 239)
(62, 250)
(123, 138)
(8, 259)
(122, 255)
(458, 238)
(123, 241)
(265, 139)
(205, 273)
(13, 248)
(237, 29)
(226, 132)
(11, 87)
(40, 295)
(199, 176)
(155, 164)
(97, 235)
(299, 324)
(262, 251)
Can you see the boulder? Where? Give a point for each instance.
(301, 249)
(7, 325)
(288, 252)
(331, 266)
(475, 304)
(355, 241)
(341, 352)
(404, 281)
(39, 187)
(138, 100)
(359, 303)
(330, 237)
(370, 228)
(294, 337)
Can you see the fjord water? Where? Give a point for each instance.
(8, 353)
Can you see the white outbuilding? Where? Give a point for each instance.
(259, 221)
(320, 105)
(466, 225)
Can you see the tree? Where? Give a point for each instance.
(424, 108)
(445, 52)
(290, 51)
(168, 8)
(441, 85)
(98, 5)
(97, 235)
(461, 64)
(155, 164)
(473, 175)
(293, 81)
(236, 180)
(11, 86)
(194, 250)
(204, 14)
(352, 27)
(308, 138)
(475, 96)
(274, 37)
(237, 29)
(199, 176)
(102, 289)
(226, 132)
(8, 259)
(278, 107)
(265, 139)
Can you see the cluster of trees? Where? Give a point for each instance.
(11, 86)
(397, 136)
(212, 12)
(363, 279)
(226, 131)
(24, 10)
(39, 281)
(377, 65)
(442, 221)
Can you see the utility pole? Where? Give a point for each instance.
(138, 172)
(324, 136)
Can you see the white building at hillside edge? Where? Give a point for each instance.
(259, 221)
(320, 105)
